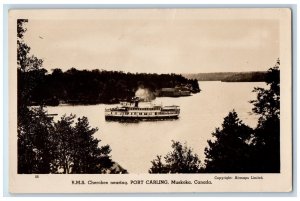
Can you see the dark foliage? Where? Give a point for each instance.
(35, 147)
(267, 134)
(239, 149)
(34, 126)
(77, 151)
(91, 87)
(47, 147)
(267, 104)
(180, 160)
(266, 147)
(229, 152)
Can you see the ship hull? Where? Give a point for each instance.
(140, 118)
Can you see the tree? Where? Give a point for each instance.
(230, 150)
(180, 160)
(48, 147)
(88, 156)
(34, 126)
(267, 104)
(238, 148)
(64, 139)
(90, 87)
(77, 150)
(26, 63)
(35, 146)
(266, 139)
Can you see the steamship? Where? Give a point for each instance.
(136, 110)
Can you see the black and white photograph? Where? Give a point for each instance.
(154, 100)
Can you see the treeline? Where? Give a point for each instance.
(255, 76)
(63, 147)
(43, 145)
(95, 86)
(235, 147)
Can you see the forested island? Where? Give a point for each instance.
(253, 76)
(96, 86)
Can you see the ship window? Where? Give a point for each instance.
(116, 113)
(145, 113)
(141, 113)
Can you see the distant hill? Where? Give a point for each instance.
(254, 76)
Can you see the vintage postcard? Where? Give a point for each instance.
(150, 100)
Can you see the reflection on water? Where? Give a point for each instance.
(134, 145)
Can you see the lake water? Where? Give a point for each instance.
(134, 145)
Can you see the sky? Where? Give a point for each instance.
(155, 42)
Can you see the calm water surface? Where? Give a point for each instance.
(134, 145)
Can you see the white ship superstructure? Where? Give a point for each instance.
(141, 111)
